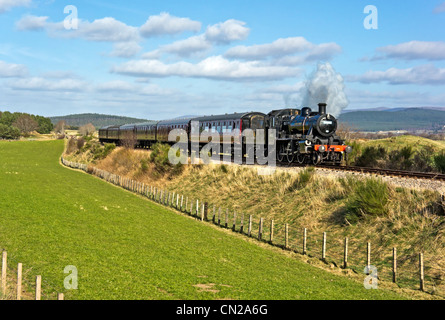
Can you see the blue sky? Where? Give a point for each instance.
(162, 59)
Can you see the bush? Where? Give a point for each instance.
(71, 146)
(370, 156)
(159, 156)
(423, 161)
(401, 159)
(367, 198)
(80, 143)
(102, 152)
(8, 132)
(356, 151)
(439, 162)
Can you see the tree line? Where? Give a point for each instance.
(14, 125)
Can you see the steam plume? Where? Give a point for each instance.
(323, 85)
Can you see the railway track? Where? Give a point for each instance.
(377, 171)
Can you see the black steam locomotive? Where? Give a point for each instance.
(301, 136)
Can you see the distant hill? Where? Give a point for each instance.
(404, 119)
(98, 120)
(392, 109)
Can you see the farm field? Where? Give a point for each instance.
(126, 247)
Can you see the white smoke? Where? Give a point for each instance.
(323, 85)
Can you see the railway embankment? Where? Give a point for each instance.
(366, 210)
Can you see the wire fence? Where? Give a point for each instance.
(397, 265)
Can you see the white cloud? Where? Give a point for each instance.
(42, 84)
(165, 24)
(123, 87)
(228, 31)
(11, 70)
(106, 29)
(187, 47)
(278, 48)
(31, 23)
(440, 8)
(215, 67)
(285, 88)
(284, 51)
(126, 49)
(429, 50)
(221, 33)
(6, 5)
(424, 74)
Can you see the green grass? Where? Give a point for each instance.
(399, 142)
(126, 247)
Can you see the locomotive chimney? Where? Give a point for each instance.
(322, 108)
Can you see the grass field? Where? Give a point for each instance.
(417, 143)
(125, 247)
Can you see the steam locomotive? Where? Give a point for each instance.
(302, 136)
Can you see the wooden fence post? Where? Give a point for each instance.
(214, 214)
(394, 264)
(19, 281)
(4, 268)
(202, 211)
(182, 201)
(38, 287)
(422, 275)
(260, 229)
(234, 221)
(304, 240)
(249, 230)
(241, 228)
(219, 216)
(286, 236)
(345, 254)
(368, 254)
(323, 250)
(197, 207)
(226, 221)
(271, 231)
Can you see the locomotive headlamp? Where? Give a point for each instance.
(322, 148)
